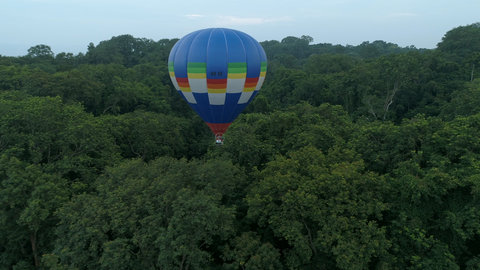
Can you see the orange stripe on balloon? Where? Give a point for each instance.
(216, 81)
(183, 82)
(250, 83)
(216, 86)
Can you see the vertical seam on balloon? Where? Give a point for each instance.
(180, 43)
(256, 45)
(243, 46)
(226, 64)
(247, 39)
(261, 52)
(206, 78)
(186, 66)
(173, 63)
(234, 112)
(188, 61)
(246, 71)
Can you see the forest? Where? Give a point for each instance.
(350, 157)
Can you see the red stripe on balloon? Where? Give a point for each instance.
(216, 83)
(182, 82)
(251, 82)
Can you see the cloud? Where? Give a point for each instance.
(233, 20)
(237, 21)
(194, 16)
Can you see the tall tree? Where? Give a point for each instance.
(48, 151)
(321, 210)
(461, 41)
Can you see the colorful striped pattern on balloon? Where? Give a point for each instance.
(217, 71)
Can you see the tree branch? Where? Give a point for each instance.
(33, 241)
(389, 100)
(471, 74)
(310, 238)
(370, 107)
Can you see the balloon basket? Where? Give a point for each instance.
(218, 139)
(218, 129)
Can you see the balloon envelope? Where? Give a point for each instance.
(218, 71)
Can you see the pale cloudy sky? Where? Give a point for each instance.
(70, 25)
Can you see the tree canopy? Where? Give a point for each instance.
(350, 157)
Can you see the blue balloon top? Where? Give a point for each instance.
(217, 71)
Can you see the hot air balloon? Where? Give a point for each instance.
(218, 71)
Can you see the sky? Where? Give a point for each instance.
(70, 25)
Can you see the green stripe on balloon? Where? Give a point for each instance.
(237, 67)
(196, 67)
(263, 66)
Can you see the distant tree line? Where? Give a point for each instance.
(350, 157)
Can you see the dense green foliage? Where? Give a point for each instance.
(351, 157)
